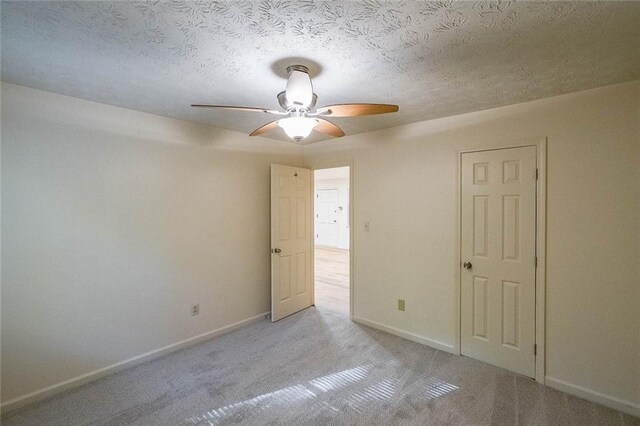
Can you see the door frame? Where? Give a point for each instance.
(332, 165)
(541, 231)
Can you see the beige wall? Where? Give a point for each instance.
(404, 186)
(113, 223)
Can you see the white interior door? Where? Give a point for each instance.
(291, 240)
(498, 257)
(327, 217)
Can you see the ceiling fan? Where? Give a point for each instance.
(298, 103)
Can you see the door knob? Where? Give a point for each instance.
(467, 265)
(277, 250)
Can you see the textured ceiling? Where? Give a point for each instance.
(434, 59)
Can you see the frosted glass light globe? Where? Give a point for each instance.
(298, 127)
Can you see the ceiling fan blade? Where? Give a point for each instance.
(328, 128)
(299, 91)
(353, 110)
(237, 108)
(264, 129)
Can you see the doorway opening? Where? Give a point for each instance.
(332, 239)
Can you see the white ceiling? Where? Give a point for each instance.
(434, 59)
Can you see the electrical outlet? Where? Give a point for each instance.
(401, 305)
(366, 226)
(195, 309)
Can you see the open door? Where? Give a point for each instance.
(291, 240)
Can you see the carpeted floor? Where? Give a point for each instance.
(315, 367)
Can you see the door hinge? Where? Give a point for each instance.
(536, 174)
(535, 349)
(535, 261)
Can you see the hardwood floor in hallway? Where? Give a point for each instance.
(332, 279)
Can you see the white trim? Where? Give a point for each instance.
(457, 235)
(332, 165)
(541, 253)
(623, 405)
(49, 391)
(312, 246)
(406, 335)
(541, 232)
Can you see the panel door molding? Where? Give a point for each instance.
(327, 217)
(291, 240)
(498, 257)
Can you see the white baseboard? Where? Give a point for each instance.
(405, 335)
(49, 391)
(628, 407)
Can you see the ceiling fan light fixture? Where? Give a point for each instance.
(298, 127)
(298, 102)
